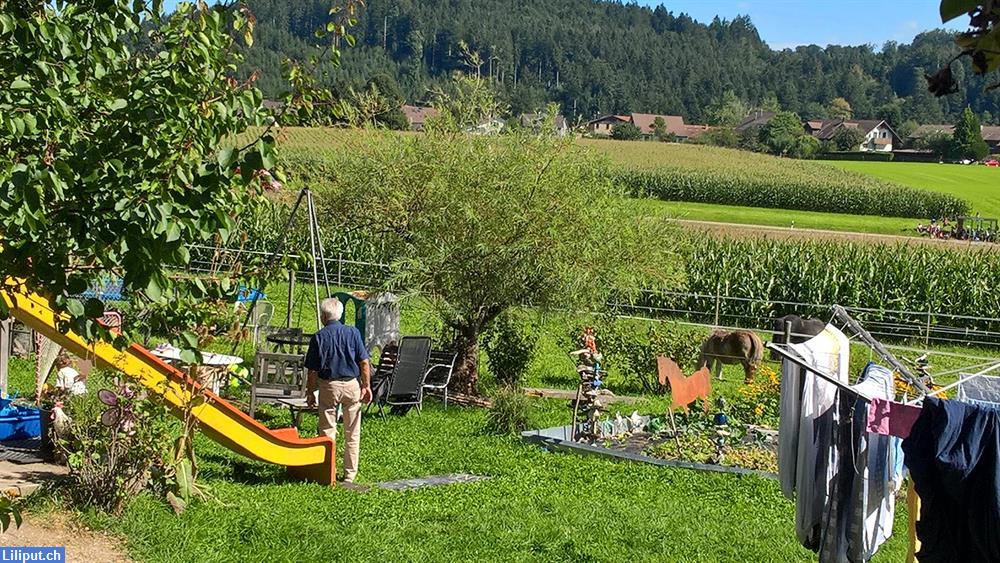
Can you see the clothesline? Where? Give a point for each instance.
(955, 384)
(818, 372)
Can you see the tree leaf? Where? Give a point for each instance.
(225, 158)
(173, 231)
(75, 307)
(94, 308)
(190, 339)
(951, 9)
(153, 289)
(19, 84)
(189, 357)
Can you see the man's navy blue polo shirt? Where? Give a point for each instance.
(336, 352)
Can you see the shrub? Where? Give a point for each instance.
(633, 354)
(510, 348)
(868, 156)
(114, 445)
(626, 132)
(510, 412)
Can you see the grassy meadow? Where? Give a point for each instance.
(785, 218)
(980, 185)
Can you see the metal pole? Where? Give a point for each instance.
(340, 269)
(927, 328)
(270, 262)
(5, 328)
(291, 297)
(312, 246)
(886, 355)
(319, 241)
(717, 290)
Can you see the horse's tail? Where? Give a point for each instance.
(756, 350)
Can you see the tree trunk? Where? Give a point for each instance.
(466, 376)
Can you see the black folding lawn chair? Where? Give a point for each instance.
(404, 388)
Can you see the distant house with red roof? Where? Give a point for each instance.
(417, 116)
(645, 122)
(879, 136)
(602, 126)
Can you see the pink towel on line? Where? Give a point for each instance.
(891, 418)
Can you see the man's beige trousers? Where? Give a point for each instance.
(348, 395)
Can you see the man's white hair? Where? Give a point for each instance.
(330, 309)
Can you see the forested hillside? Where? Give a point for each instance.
(596, 57)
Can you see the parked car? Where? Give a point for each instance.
(992, 162)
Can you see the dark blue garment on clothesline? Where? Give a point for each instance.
(953, 454)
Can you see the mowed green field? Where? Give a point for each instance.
(786, 218)
(978, 184)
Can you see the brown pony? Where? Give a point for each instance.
(737, 347)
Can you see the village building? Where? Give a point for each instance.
(534, 121)
(646, 123)
(990, 133)
(417, 116)
(754, 120)
(602, 126)
(879, 136)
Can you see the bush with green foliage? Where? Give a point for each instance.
(967, 140)
(626, 132)
(720, 137)
(509, 413)
(781, 135)
(848, 139)
(510, 348)
(116, 445)
(631, 352)
(479, 224)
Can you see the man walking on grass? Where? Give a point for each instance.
(337, 359)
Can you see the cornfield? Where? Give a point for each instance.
(898, 282)
(824, 189)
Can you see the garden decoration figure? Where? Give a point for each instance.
(587, 404)
(336, 360)
(722, 432)
(683, 390)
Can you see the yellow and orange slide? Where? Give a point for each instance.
(312, 459)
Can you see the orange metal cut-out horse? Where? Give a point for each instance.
(683, 390)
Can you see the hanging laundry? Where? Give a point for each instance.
(891, 418)
(809, 418)
(861, 506)
(980, 390)
(953, 454)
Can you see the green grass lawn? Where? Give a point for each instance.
(980, 185)
(535, 506)
(776, 217)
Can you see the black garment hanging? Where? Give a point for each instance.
(953, 454)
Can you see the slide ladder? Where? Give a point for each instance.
(311, 459)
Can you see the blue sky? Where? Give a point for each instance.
(787, 23)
